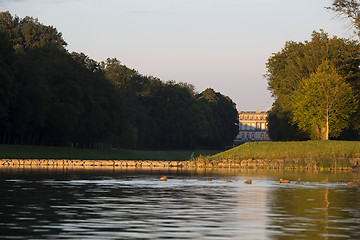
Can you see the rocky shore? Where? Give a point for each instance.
(94, 163)
(226, 163)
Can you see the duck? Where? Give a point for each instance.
(249, 181)
(353, 184)
(164, 178)
(283, 181)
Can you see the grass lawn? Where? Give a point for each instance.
(305, 154)
(283, 150)
(43, 152)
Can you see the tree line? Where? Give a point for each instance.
(316, 85)
(49, 96)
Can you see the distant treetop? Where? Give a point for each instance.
(28, 33)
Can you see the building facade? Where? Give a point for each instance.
(252, 127)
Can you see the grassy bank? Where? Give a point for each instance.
(307, 154)
(319, 155)
(42, 152)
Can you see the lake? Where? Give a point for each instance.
(114, 203)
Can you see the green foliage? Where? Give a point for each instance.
(288, 68)
(173, 115)
(51, 97)
(297, 61)
(281, 128)
(221, 115)
(61, 102)
(119, 74)
(28, 33)
(7, 81)
(323, 103)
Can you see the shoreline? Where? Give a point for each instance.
(89, 163)
(194, 163)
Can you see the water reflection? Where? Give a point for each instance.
(319, 211)
(48, 203)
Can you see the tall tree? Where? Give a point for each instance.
(296, 61)
(7, 81)
(288, 68)
(323, 103)
(222, 116)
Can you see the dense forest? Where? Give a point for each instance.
(49, 96)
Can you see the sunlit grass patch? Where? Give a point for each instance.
(306, 154)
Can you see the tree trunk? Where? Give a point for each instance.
(327, 125)
(322, 133)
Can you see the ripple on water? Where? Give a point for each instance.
(141, 207)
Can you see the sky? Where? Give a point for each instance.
(219, 44)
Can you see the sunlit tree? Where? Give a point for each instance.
(323, 103)
(288, 68)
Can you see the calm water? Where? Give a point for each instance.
(41, 203)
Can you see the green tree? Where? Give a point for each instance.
(222, 116)
(51, 97)
(296, 61)
(287, 69)
(323, 103)
(281, 128)
(119, 74)
(7, 81)
(28, 33)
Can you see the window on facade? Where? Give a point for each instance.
(262, 136)
(248, 136)
(252, 136)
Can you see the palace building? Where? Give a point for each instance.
(252, 127)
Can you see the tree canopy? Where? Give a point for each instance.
(28, 33)
(49, 96)
(296, 62)
(323, 103)
(172, 114)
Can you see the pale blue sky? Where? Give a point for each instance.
(222, 44)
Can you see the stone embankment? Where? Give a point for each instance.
(143, 163)
(226, 163)
(94, 163)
